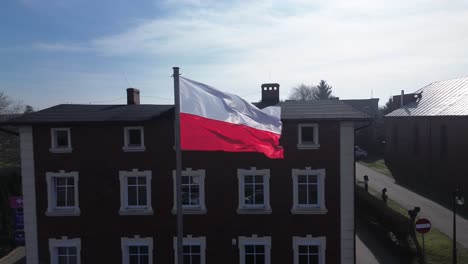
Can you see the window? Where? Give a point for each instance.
(135, 192)
(137, 250)
(62, 193)
(194, 249)
(65, 251)
(254, 250)
(308, 191)
(134, 139)
(60, 140)
(193, 191)
(309, 250)
(254, 191)
(308, 136)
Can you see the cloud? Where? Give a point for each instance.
(350, 43)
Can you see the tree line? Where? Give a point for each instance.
(303, 92)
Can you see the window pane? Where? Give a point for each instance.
(303, 249)
(133, 250)
(71, 196)
(250, 259)
(258, 179)
(195, 195)
(187, 259)
(259, 249)
(141, 180)
(195, 249)
(73, 260)
(185, 195)
(302, 179)
(186, 179)
(60, 181)
(313, 249)
(314, 259)
(134, 137)
(134, 259)
(61, 196)
(249, 199)
(62, 250)
(196, 259)
(302, 192)
(303, 259)
(143, 250)
(307, 134)
(249, 249)
(312, 178)
(61, 139)
(72, 250)
(132, 195)
(313, 194)
(132, 180)
(248, 179)
(260, 258)
(142, 195)
(259, 194)
(62, 260)
(70, 181)
(144, 259)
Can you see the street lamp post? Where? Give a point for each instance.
(457, 200)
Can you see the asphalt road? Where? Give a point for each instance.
(440, 217)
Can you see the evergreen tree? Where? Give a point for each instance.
(324, 91)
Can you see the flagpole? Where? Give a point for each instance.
(180, 232)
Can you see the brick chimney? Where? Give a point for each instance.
(270, 93)
(133, 96)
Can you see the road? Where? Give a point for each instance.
(440, 217)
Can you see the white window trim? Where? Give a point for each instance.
(53, 147)
(246, 209)
(126, 146)
(186, 209)
(302, 209)
(255, 240)
(124, 208)
(126, 242)
(301, 145)
(190, 240)
(309, 241)
(64, 242)
(52, 209)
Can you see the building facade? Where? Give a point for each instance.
(98, 187)
(426, 139)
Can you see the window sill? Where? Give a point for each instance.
(133, 149)
(129, 211)
(246, 210)
(63, 212)
(308, 146)
(61, 150)
(305, 210)
(191, 211)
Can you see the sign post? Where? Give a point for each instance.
(16, 203)
(423, 226)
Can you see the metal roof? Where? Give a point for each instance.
(66, 113)
(442, 98)
(320, 109)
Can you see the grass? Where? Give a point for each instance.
(377, 165)
(438, 246)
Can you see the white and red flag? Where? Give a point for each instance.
(211, 120)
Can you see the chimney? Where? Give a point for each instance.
(402, 98)
(270, 93)
(133, 96)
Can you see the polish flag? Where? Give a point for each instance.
(211, 120)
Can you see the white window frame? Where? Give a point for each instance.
(300, 144)
(192, 241)
(309, 240)
(63, 242)
(125, 209)
(255, 240)
(254, 209)
(53, 141)
(191, 209)
(126, 146)
(52, 208)
(126, 242)
(309, 209)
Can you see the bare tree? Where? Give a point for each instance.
(303, 92)
(8, 106)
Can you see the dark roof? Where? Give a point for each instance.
(69, 113)
(320, 109)
(442, 98)
(5, 118)
(66, 113)
(368, 106)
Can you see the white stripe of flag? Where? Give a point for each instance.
(423, 225)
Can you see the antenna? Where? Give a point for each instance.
(126, 78)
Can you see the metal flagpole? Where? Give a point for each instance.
(180, 232)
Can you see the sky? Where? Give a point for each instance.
(87, 51)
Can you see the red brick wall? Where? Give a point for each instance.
(97, 156)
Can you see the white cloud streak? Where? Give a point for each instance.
(355, 45)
